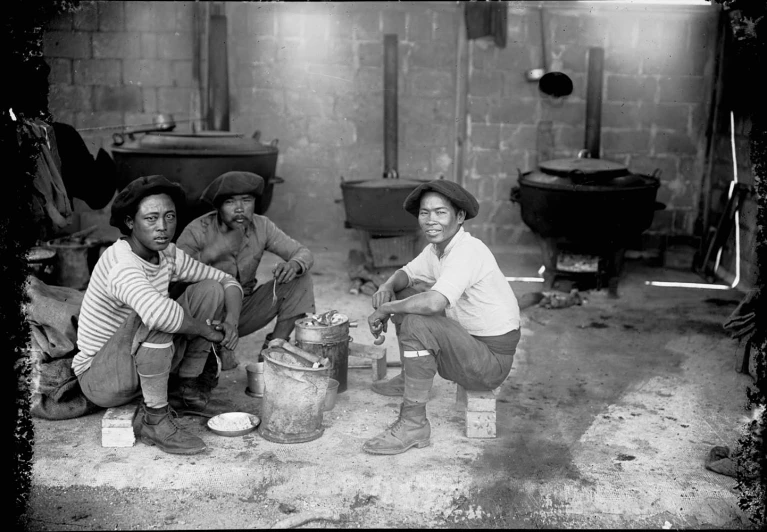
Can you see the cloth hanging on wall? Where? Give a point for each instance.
(485, 19)
(51, 207)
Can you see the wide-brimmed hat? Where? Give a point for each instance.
(459, 196)
(231, 184)
(127, 200)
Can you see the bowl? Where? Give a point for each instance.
(233, 423)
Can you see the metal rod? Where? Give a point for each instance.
(390, 104)
(218, 75)
(594, 102)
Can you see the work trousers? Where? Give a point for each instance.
(295, 298)
(478, 363)
(133, 350)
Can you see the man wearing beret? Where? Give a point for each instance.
(131, 334)
(233, 239)
(464, 327)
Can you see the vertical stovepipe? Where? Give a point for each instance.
(218, 72)
(390, 105)
(594, 101)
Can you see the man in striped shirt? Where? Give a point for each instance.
(131, 334)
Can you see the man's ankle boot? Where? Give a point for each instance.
(412, 429)
(394, 387)
(190, 395)
(158, 426)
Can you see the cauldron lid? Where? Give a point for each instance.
(205, 141)
(592, 169)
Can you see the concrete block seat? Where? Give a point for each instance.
(480, 411)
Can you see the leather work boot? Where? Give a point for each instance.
(412, 429)
(394, 387)
(190, 395)
(158, 426)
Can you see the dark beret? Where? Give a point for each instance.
(127, 200)
(232, 183)
(459, 196)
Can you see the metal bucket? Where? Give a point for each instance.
(331, 341)
(294, 399)
(73, 263)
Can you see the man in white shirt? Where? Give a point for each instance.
(465, 327)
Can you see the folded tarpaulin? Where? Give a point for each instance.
(485, 19)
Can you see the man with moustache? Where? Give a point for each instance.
(131, 334)
(465, 326)
(232, 238)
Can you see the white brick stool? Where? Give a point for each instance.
(117, 426)
(373, 352)
(480, 411)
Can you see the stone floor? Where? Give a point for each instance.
(605, 421)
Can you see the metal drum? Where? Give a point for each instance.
(331, 341)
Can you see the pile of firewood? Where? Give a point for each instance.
(363, 279)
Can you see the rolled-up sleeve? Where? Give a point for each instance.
(286, 248)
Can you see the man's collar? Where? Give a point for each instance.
(456, 238)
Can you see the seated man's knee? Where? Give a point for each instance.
(413, 322)
(211, 290)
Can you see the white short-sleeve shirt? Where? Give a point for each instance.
(479, 296)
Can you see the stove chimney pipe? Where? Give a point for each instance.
(391, 68)
(594, 101)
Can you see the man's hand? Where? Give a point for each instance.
(285, 272)
(231, 336)
(378, 322)
(212, 334)
(384, 294)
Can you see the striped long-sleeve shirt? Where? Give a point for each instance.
(123, 282)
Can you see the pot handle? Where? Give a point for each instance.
(656, 173)
(515, 194)
(659, 206)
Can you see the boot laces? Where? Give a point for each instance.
(396, 426)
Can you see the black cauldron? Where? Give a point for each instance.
(194, 160)
(586, 206)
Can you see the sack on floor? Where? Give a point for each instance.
(52, 314)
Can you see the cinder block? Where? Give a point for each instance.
(116, 45)
(480, 424)
(97, 72)
(119, 99)
(117, 426)
(375, 353)
(75, 45)
(473, 401)
(176, 45)
(117, 437)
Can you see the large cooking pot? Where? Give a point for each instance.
(196, 159)
(590, 201)
(375, 205)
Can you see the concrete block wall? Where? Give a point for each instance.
(121, 63)
(311, 75)
(656, 84)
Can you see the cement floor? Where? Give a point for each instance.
(605, 421)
